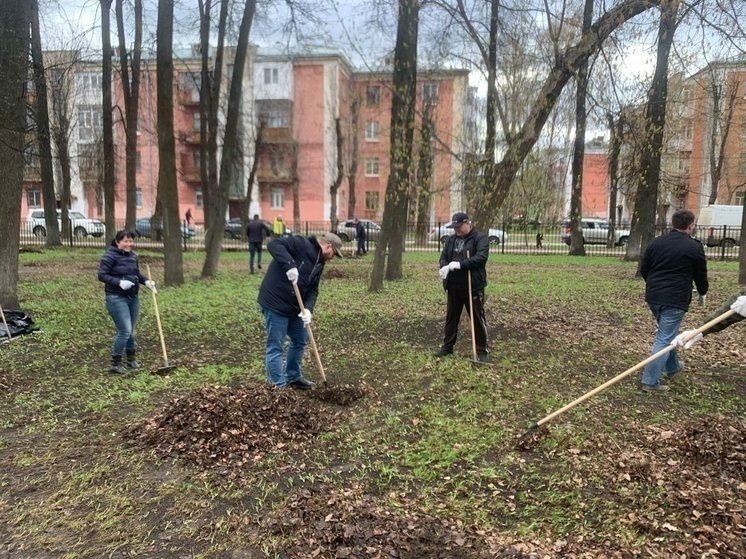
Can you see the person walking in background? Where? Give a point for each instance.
(295, 261)
(120, 272)
(361, 235)
(736, 303)
(256, 231)
(454, 265)
(188, 216)
(279, 227)
(670, 263)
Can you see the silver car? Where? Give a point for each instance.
(346, 230)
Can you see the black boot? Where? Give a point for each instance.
(117, 367)
(129, 359)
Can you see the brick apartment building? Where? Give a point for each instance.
(297, 100)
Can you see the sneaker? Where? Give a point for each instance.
(442, 352)
(670, 376)
(654, 387)
(301, 384)
(483, 357)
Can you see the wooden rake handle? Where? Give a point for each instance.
(310, 334)
(631, 370)
(471, 313)
(5, 323)
(158, 318)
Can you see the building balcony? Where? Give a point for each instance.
(269, 175)
(191, 174)
(277, 136)
(192, 137)
(31, 174)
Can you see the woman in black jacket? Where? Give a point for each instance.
(120, 273)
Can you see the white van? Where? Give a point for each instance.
(720, 225)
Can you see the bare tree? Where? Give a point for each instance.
(646, 200)
(404, 92)
(131, 94)
(42, 132)
(108, 119)
(334, 187)
(721, 119)
(353, 156)
(214, 237)
(616, 128)
(167, 193)
(422, 186)
(15, 18)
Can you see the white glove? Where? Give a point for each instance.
(679, 340)
(306, 316)
(126, 284)
(443, 272)
(739, 306)
(454, 266)
(150, 284)
(292, 275)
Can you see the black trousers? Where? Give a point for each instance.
(458, 298)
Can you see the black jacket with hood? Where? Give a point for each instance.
(478, 247)
(276, 292)
(117, 265)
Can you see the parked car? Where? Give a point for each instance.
(80, 225)
(233, 228)
(346, 230)
(496, 236)
(595, 232)
(144, 228)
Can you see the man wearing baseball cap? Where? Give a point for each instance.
(296, 261)
(464, 253)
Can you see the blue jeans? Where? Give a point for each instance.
(278, 328)
(124, 311)
(669, 319)
(255, 248)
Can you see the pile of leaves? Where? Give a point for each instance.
(229, 428)
(352, 524)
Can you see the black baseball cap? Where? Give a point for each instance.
(457, 219)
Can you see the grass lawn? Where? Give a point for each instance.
(424, 464)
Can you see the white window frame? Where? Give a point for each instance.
(36, 192)
(277, 198)
(138, 197)
(372, 131)
(738, 201)
(90, 123)
(89, 81)
(271, 76)
(372, 167)
(430, 93)
(373, 95)
(199, 198)
(371, 195)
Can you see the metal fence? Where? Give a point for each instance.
(720, 243)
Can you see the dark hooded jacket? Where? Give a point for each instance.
(478, 247)
(117, 265)
(276, 292)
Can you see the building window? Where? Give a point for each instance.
(276, 119)
(683, 164)
(430, 93)
(742, 164)
(199, 200)
(90, 124)
(277, 198)
(33, 197)
(739, 198)
(688, 130)
(371, 167)
(743, 127)
(373, 95)
(271, 76)
(138, 197)
(91, 81)
(190, 83)
(138, 161)
(371, 201)
(372, 129)
(197, 122)
(196, 159)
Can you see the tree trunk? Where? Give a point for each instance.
(393, 226)
(577, 247)
(131, 94)
(42, 132)
(107, 120)
(167, 193)
(354, 154)
(214, 237)
(718, 144)
(424, 176)
(14, 57)
(616, 129)
(564, 66)
(334, 188)
(646, 200)
(295, 184)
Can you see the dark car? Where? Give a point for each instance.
(233, 228)
(144, 228)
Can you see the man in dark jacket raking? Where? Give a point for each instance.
(300, 261)
(669, 265)
(454, 265)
